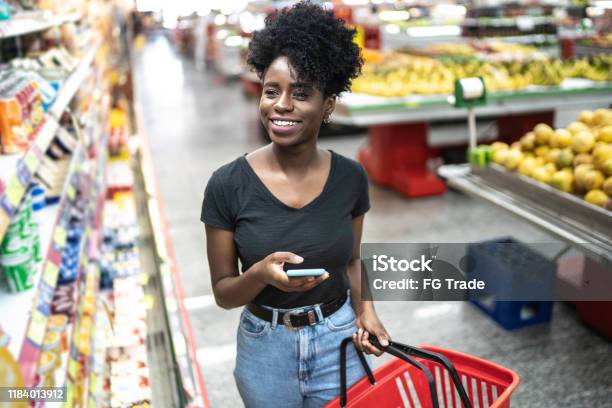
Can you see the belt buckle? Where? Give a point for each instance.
(287, 318)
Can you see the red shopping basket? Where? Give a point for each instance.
(426, 377)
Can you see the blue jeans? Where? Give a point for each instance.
(281, 367)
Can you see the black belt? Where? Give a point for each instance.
(293, 320)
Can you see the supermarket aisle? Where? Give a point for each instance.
(195, 123)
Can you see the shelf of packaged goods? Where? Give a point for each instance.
(76, 371)
(182, 339)
(179, 324)
(74, 82)
(563, 215)
(367, 110)
(15, 323)
(23, 24)
(508, 21)
(41, 295)
(71, 373)
(528, 39)
(21, 168)
(66, 375)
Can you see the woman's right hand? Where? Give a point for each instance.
(270, 271)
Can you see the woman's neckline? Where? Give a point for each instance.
(275, 199)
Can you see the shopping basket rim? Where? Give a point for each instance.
(505, 396)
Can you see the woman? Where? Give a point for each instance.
(292, 205)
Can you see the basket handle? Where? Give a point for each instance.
(428, 355)
(391, 350)
(364, 363)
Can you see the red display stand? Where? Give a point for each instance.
(397, 156)
(567, 46)
(511, 127)
(372, 39)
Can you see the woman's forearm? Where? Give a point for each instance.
(354, 274)
(235, 291)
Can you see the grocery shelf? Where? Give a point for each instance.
(26, 23)
(506, 21)
(571, 219)
(527, 39)
(160, 359)
(74, 82)
(14, 323)
(40, 309)
(181, 342)
(94, 194)
(32, 157)
(452, 33)
(366, 110)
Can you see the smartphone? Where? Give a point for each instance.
(294, 273)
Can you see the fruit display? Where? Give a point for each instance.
(603, 40)
(492, 50)
(577, 159)
(595, 68)
(394, 74)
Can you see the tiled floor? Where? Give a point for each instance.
(196, 122)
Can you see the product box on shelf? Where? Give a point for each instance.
(20, 251)
(21, 111)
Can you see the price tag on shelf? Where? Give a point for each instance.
(45, 136)
(171, 304)
(71, 192)
(31, 161)
(38, 325)
(14, 192)
(23, 173)
(50, 274)
(5, 220)
(72, 367)
(93, 383)
(59, 236)
(5, 206)
(45, 296)
(69, 394)
(161, 249)
(149, 301)
(144, 278)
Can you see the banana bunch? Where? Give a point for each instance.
(596, 68)
(548, 73)
(398, 74)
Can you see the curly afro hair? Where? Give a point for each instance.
(318, 45)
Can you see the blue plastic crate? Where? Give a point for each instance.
(512, 272)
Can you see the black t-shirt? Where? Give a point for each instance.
(321, 232)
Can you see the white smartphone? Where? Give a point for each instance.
(294, 273)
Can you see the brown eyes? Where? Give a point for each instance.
(272, 93)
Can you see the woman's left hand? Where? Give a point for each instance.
(368, 322)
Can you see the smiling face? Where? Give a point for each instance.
(291, 111)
